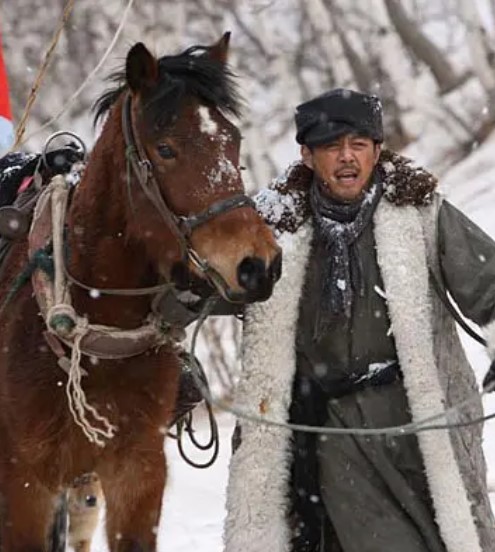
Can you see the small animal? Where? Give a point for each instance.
(85, 500)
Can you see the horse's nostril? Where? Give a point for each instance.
(251, 273)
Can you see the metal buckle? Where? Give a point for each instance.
(197, 261)
(146, 168)
(184, 224)
(77, 140)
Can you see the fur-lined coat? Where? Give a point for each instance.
(435, 371)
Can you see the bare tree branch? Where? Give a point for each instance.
(423, 47)
(326, 39)
(475, 35)
(360, 70)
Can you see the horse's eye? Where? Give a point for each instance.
(90, 501)
(166, 151)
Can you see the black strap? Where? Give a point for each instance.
(188, 224)
(441, 288)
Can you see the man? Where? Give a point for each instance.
(355, 336)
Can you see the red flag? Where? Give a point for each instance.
(6, 125)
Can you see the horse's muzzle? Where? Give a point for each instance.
(257, 278)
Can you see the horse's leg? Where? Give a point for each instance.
(58, 532)
(27, 514)
(133, 495)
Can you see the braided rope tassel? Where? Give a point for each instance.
(64, 321)
(78, 404)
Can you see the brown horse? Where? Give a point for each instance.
(161, 193)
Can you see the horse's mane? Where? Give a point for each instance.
(191, 72)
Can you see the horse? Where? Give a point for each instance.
(160, 204)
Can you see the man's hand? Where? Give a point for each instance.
(489, 379)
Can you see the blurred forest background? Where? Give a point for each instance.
(432, 62)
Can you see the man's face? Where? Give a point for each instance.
(344, 166)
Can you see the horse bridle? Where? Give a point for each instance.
(182, 227)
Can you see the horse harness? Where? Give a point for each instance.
(46, 237)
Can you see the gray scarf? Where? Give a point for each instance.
(338, 226)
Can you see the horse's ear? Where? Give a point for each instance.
(220, 50)
(141, 68)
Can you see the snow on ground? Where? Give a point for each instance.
(193, 508)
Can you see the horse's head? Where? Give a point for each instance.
(190, 209)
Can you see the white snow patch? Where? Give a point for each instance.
(224, 137)
(370, 195)
(388, 167)
(207, 124)
(12, 169)
(341, 284)
(76, 173)
(375, 368)
(272, 205)
(225, 171)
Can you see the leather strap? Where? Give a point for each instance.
(188, 224)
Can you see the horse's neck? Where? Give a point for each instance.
(99, 253)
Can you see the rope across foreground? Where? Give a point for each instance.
(426, 424)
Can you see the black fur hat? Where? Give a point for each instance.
(336, 113)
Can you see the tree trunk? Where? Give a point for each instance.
(325, 37)
(475, 35)
(360, 70)
(422, 47)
